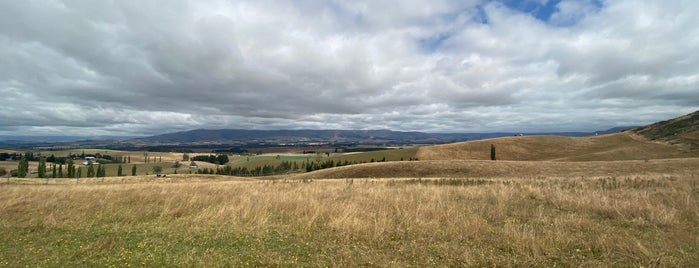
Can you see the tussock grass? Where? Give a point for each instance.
(645, 220)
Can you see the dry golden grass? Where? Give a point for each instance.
(561, 210)
(612, 147)
(512, 221)
(487, 168)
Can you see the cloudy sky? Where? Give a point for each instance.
(138, 67)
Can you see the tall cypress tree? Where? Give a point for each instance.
(70, 169)
(119, 171)
(133, 170)
(492, 152)
(91, 171)
(41, 170)
(23, 167)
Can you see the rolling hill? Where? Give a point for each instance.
(504, 169)
(668, 146)
(675, 138)
(610, 147)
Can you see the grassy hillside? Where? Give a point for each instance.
(681, 130)
(611, 147)
(200, 221)
(487, 168)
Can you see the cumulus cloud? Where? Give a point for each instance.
(134, 67)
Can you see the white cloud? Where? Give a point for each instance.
(132, 67)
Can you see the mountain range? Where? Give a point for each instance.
(237, 136)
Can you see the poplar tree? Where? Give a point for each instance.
(119, 171)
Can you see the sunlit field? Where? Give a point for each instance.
(187, 220)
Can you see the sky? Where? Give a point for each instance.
(134, 67)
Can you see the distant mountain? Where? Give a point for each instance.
(616, 129)
(243, 137)
(232, 136)
(680, 130)
(55, 139)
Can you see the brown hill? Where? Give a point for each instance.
(680, 130)
(674, 138)
(514, 169)
(611, 147)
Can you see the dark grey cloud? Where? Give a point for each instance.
(135, 67)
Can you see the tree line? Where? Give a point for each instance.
(219, 159)
(30, 156)
(284, 167)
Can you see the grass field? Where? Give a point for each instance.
(215, 221)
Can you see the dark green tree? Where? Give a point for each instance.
(91, 171)
(70, 169)
(222, 159)
(100, 171)
(492, 152)
(119, 171)
(133, 170)
(53, 171)
(157, 170)
(60, 171)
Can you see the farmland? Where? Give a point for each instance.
(621, 199)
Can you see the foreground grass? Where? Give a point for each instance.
(604, 221)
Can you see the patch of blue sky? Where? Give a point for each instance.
(541, 9)
(433, 43)
(475, 14)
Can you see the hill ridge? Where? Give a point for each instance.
(680, 130)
